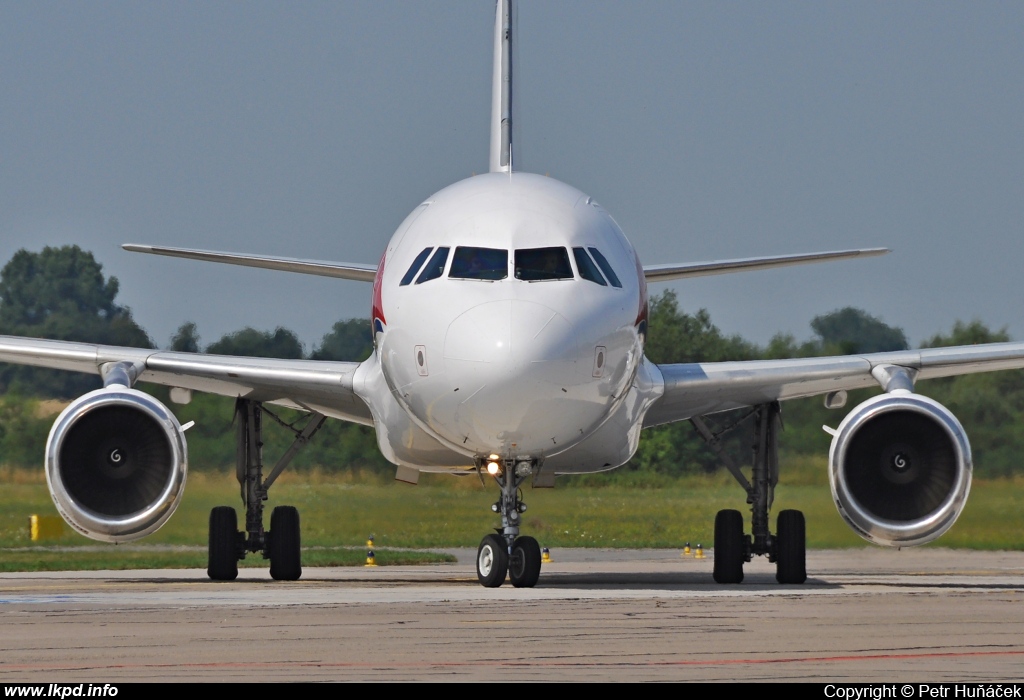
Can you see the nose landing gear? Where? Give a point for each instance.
(507, 552)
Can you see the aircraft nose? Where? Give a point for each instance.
(512, 338)
(512, 364)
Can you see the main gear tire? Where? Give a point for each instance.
(222, 562)
(285, 544)
(729, 549)
(791, 544)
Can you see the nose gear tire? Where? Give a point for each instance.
(524, 563)
(492, 561)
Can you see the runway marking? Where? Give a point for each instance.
(896, 656)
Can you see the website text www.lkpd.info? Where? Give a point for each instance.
(61, 690)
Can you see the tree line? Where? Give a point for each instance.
(61, 293)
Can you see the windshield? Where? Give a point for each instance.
(415, 267)
(606, 267)
(435, 267)
(479, 264)
(538, 264)
(588, 270)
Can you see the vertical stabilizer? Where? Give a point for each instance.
(501, 90)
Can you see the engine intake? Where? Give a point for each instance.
(900, 469)
(116, 462)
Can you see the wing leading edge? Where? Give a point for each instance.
(326, 387)
(699, 388)
(323, 268)
(663, 273)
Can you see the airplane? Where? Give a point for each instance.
(509, 316)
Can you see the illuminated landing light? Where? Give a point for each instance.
(494, 458)
(493, 468)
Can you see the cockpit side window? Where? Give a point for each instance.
(434, 268)
(415, 267)
(538, 264)
(479, 264)
(605, 267)
(588, 270)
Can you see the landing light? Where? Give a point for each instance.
(494, 458)
(493, 468)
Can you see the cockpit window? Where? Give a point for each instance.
(605, 267)
(588, 270)
(434, 268)
(537, 264)
(479, 264)
(415, 267)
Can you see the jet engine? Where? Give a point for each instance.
(116, 461)
(900, 469)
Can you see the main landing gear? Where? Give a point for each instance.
(787, 547)
(507, 552)
(280, 544)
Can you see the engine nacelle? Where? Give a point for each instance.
(900, 469)
(116, 461)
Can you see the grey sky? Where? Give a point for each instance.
(709, 130)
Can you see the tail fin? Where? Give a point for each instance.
(501, 90)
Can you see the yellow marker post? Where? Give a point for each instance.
(45, 527)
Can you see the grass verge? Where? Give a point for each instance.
(339, 513)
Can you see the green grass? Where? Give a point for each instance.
(338, 514)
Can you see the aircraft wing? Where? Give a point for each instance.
(345, 271)
(326, 387)
(662, 273)
(694, 389)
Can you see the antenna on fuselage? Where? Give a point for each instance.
(501, 90)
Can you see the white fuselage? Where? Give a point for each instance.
(499, 361)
